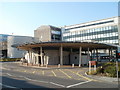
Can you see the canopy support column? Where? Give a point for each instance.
(80, 56)
(61, 55)
(41, 56)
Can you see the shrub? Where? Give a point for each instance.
(110, 71)
(10, 59)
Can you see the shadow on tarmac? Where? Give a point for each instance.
(14, 84)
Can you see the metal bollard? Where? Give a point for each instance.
(73, 65)
(58, 65)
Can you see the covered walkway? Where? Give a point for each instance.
(64, 53)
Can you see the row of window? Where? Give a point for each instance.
(91, 25)
(96, 39)
(93, 36)
(98, 34)
(115, 41)
(93, 31)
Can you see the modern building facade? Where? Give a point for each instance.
(48, 33)
(79, 44)
(6, 42)
(103, 31)
(3, 45)
(14, 52)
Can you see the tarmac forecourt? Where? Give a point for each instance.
(60, 77)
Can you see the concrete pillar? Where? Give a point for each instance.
(109, 55)
(41, 56)
(88, 53)
(71, 50)
(94, 54)
(61, 55)
(97, 54)
(80, 56)
(36, 59)
(29, 57)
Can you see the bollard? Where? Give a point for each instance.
(41, 65)
(73, 65)
(95, 68)
(38, 65)
(79, 65)
(58, 65)
(46, 65)
(27, 64)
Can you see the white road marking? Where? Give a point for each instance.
(7, 86)
(78, 84)
(9, 74)
(57, 84)
(37, 80)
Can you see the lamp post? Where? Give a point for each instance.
(117, 68)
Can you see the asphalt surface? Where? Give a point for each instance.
(16, 76)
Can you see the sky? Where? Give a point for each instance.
(22, 18)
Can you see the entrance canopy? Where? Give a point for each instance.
(76, 45)
(62, 52)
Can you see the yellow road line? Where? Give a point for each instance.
(5, 68)
(79, 71)
(53, 73)
(24, 71)
(33, 72)
(65, 73)
(43, 72)
(81, 75)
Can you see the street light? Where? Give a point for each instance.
(117, 68)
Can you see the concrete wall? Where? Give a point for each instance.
(74, 59)
(14, 52)
(54, 57)
(43, 33)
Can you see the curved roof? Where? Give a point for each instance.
(70, 44)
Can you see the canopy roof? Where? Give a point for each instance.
(67, 44)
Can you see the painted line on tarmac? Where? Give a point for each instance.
(53, 73)
(33, 72)
(43, 72)
(81, 76)
(93, 79)
(9, 86)
(5, 68)
(77, 84)
(65, 73)
(24, 71)
(57, 84)
(37, 80)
